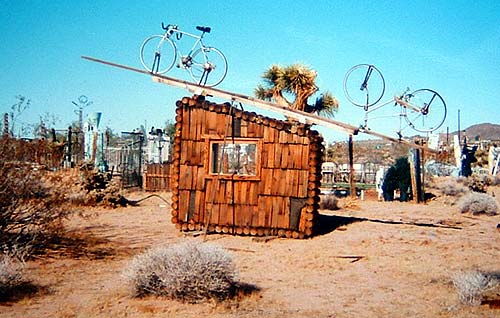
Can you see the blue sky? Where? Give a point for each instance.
(449, 46)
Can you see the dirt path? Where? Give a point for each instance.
(358, 268)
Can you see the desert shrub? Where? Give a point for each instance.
(478, 203)
(329, 202)
(452, 187)
(11, 275)
(478, 183)
(495, 180)
(190, 272)
(472, 285)
(98, 188)
(31, 208)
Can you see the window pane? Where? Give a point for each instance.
(237, 158)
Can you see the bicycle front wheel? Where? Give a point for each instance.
(364, 85)
(426, 110)
(158, 54)
(208, 67)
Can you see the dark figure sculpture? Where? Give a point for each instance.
(467, 159)
(397, 177)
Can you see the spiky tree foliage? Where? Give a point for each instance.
(298, 81)
(274, 86)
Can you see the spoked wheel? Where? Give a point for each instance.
(208, 66)
(364, 85)
(158, 55)
(426, 110)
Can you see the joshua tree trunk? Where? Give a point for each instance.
(279, 99)
(300, 102)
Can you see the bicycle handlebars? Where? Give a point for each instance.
(170, 26)
(203, 29)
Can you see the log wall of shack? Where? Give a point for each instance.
(281, 199)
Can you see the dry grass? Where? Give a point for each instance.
(452, 187)
(190, 272)
(478, 203)
(471, 286)
(329, 202)
(349, 203)
(11, 276)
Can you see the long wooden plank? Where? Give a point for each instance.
(248, 100)
(202, 90)
(302, 117)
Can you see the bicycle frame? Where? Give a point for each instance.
(397, 101)
(186, 60)
(199, 40)
(415, 106)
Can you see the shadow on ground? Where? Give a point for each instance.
(329, 223)
(78, 245)
(11, 294)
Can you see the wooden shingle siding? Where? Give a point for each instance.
(280, 196)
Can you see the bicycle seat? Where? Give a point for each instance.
(203, 29)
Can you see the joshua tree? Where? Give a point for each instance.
(299, 81)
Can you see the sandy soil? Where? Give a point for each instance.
(370, 262)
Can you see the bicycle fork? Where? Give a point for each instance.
(364, 85)
(367, 77)
(425, 109)
(204, 76)
(156, 63)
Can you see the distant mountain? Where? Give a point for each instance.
(485, 131)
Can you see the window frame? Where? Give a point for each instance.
(211, 141)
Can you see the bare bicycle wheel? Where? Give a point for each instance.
(158, 55)
(364, 85)
(208, 66)
(426, 111)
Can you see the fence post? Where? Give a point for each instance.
(69, 157)
(415, 174)
(5, 124)
(351, 168)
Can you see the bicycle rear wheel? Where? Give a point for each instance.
(208, 66)
(158, 54)
(427, 112)
(364, 85)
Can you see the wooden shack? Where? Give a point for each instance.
(242, 173)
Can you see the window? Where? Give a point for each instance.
(235, 158)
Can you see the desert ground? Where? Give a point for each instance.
(373, 259)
